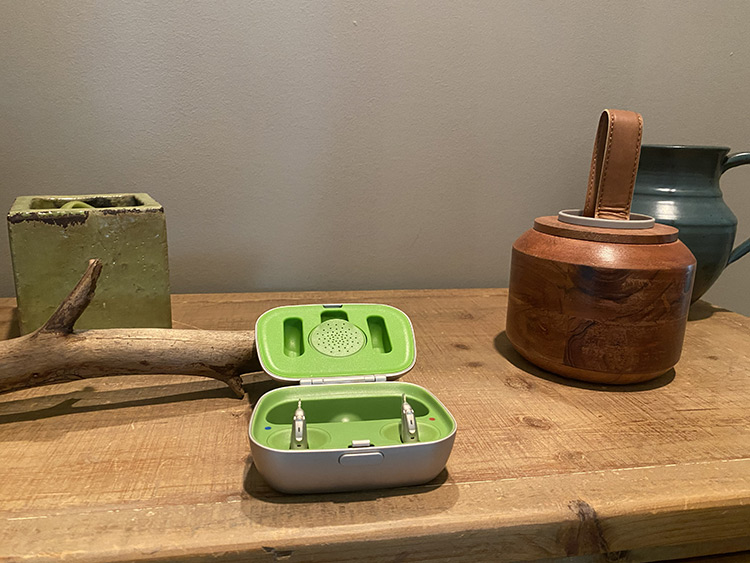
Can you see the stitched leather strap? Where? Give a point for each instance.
(614, 164)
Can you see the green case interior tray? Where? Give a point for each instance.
(338, 414)
(320, 341)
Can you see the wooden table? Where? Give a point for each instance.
(136, 467)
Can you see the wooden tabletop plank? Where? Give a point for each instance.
(159, 467)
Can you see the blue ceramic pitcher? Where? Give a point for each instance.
(679, 186)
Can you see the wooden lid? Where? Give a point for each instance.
(658, 234)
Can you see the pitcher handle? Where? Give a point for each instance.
(731, 161)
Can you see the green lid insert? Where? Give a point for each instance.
(312, 341)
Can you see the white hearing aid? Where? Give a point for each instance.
(408, 422)
(299, 429)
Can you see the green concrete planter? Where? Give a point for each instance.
(53, 237)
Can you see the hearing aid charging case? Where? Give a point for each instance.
(344, 358)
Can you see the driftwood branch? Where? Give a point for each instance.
(55, 353)
(73, 306)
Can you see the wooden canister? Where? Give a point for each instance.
(602, 301)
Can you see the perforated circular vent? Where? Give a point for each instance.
(337, 338)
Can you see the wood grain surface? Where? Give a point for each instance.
(158, 468)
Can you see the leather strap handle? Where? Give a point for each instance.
(614, 164)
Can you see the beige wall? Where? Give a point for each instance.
(300, 145)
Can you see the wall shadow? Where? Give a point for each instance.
(505, 349)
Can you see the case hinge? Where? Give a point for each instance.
(352, 379)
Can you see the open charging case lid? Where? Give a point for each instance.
(315, 344)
